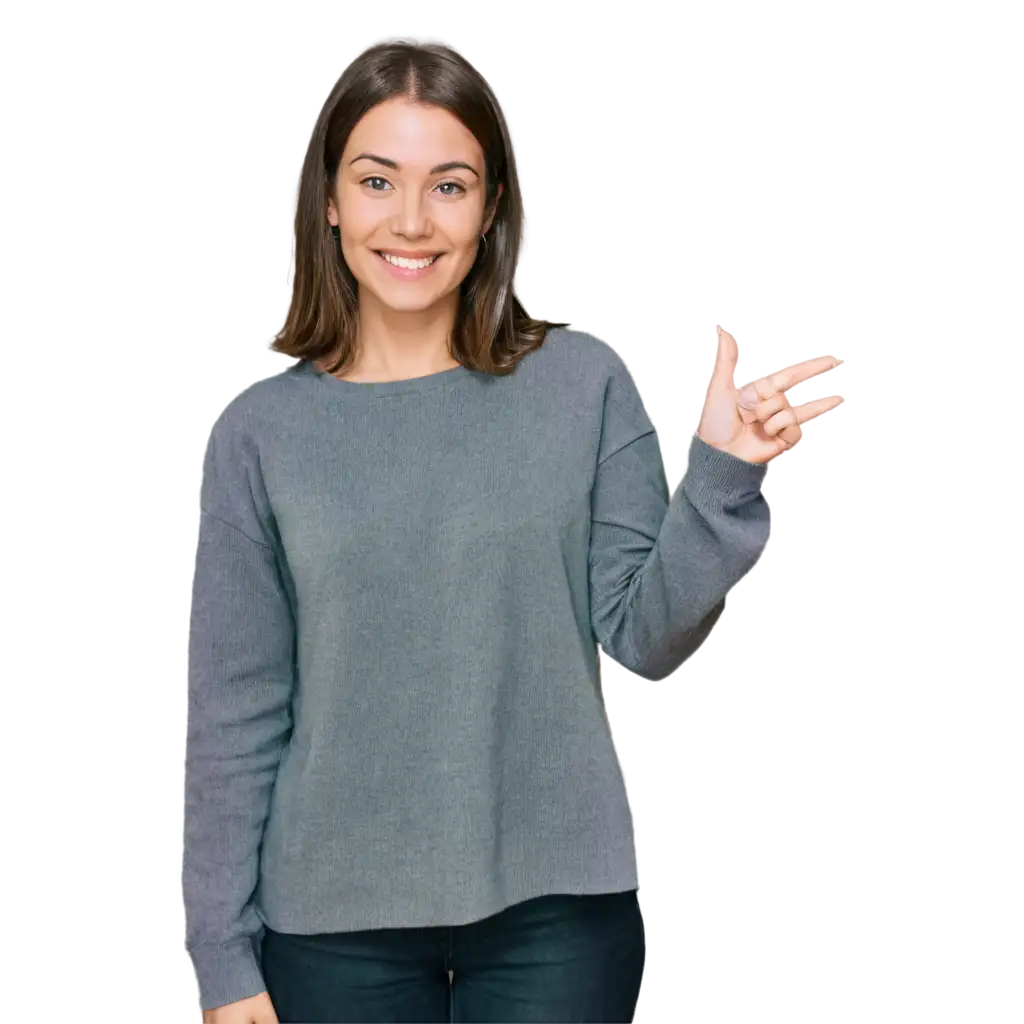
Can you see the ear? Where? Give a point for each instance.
(332, 213)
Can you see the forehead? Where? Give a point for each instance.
(417, 135)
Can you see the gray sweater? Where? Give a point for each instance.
(395, 716)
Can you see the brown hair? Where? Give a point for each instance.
(492, 330)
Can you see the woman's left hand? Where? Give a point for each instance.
(756, 422)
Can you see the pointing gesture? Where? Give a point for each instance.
(756, 423)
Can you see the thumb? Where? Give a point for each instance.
(725, 361)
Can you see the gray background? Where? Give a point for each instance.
(142, 222)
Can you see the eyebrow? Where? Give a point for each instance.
(449, 166)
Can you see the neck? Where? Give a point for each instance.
(396, 343)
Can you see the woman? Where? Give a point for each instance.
(402, 797)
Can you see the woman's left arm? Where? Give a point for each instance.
(660, 569)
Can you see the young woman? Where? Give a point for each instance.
(402, 797)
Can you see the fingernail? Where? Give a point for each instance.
(744, 399)
(717, 328)
(838, 361)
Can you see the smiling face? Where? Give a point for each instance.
(410, 183)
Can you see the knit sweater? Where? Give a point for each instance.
(395, 714)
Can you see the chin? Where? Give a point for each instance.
(402, 299)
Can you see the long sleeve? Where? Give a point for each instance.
(660, 569)
(240, 682)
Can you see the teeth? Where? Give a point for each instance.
(401, 261)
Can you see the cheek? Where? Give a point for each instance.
(457, 220)
(358, 225)
(359, 228)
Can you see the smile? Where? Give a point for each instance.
(408, 269)
(401, 261)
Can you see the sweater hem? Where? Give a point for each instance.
(378, 916)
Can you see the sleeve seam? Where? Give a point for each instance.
(646, 433)
(238, 529)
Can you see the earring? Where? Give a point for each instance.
(483, 238)
(336, 231)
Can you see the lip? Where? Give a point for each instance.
(411, 254)
(405, 273)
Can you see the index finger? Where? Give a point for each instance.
(783, 380)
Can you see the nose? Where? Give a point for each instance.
(413, 221)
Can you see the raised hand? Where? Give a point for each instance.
(756, 422)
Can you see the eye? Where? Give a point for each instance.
(374, 177)
(442, 184)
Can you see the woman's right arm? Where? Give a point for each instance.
(241, 671)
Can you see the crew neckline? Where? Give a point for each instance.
(380, 388)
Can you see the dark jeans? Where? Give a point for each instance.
(552, 958)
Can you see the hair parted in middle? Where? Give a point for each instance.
(492, 330)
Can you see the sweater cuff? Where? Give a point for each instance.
(227, 973)
(717, 480)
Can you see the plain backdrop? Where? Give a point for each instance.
(142, 187)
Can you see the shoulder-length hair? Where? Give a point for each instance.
(492, 330)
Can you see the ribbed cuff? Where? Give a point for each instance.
(716, 480)
(227, 973)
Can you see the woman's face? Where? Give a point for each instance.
(409, 204)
